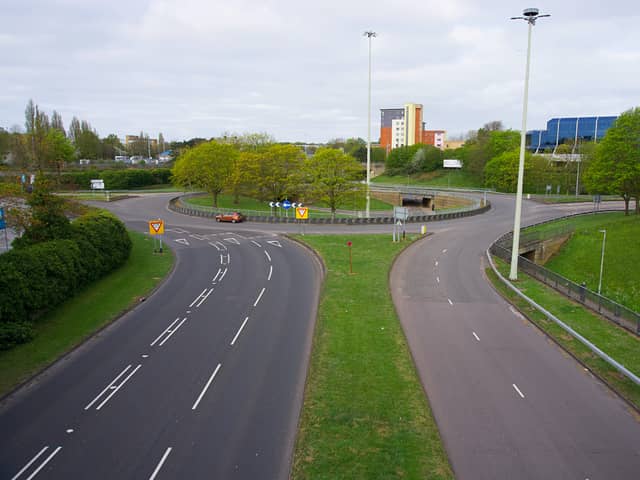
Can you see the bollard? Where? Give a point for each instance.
(423, 230)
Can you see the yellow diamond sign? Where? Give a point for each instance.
(156, 227)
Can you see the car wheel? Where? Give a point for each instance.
(217, 219)
(233, 221)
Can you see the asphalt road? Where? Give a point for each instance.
(203, 380)
(509, 403)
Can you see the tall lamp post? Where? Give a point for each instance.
(604, 239)
(370, 34)
(530, 15)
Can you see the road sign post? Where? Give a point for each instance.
(349, 244)
(302, 213)
(3, 226)
(156, 229)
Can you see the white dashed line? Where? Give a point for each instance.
(113, 387)
(256, 244)
(267, 254)
(168, 329)
(476, 335)
(518, 390)
(450, 302)
(204, 390)
(29, 464)
(204, 298)
(259, 297)
(172, 331)
(197, 298)
(438, 279)
(225, 259)
(162, 460)
(224, 272)
(270, 272)
(239, 331)
(436, 263)
(37, 470)
(215, 279)
(444, 251)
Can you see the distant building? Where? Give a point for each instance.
(453, 144)
(165, 156)
(571, 130)
(402, 127)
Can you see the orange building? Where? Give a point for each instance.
(400, 127)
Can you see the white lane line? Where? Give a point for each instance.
(204, 298)
(197, 236)
(118, 387)
(224, 272)
(256, 244)
(204, 390)
(436, 263)
(438, 279)
(270, 272)
(107, 387)
(518, 390)
(223, 257)
(259, 296)
(29, 464)
(172, 332)
(274, 242)
(165, 331)
(37, 470)
(444, 251)
(476, 335)
(182, 240)
(232, 240)
(214, 279)
(197, 298)
(214, 244)
(267, 254)
(239, 331)
(450, 302)
(162, 460)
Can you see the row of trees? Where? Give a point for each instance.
(269, 172)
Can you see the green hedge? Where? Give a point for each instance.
(117, 179)
(36, 278)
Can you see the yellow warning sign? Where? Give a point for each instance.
(302, 213)
(156, 227)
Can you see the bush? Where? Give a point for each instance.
(15, 333)
(117, 179)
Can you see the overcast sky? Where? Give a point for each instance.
(298, 70)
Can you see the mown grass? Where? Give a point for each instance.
(614, 341)
(439, 178)
(579, 259)
(77, 319)
(365, 413)
(550, 199)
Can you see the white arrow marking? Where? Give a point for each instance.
(232, 240)
(182, 240)
(275, 242)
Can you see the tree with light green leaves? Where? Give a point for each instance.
(615, 167)
(207, 166)
(332, 176)
(59, 150)
(276, 172)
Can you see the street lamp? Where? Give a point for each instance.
(604, 239)
(530, 15)
(370, 34)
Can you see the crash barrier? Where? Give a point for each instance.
(612, 311)
(178, 205)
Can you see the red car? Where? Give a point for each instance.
(233, 217)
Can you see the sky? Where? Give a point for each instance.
(298, 70)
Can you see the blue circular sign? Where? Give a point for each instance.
(286, 204)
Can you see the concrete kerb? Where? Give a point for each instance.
(176, 205)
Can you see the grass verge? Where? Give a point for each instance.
(365, 413)
(77, 319)
(614, 341)
(438, 178)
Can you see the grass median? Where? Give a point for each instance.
(72, 322)
(616, 342)
(365, 413)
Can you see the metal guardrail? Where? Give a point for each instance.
(177, 205)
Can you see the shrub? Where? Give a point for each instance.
(15, 333)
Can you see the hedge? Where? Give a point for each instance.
(116, 179)
(36, 278)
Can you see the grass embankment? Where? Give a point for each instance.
(74, 321)
(579, 259)
(226, 202)
(365, 414)
(614, 341)
(438, 178)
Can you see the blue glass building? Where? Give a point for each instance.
(571, 130)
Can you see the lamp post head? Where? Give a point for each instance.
(530, 12)
(370, 33)
(530, 15)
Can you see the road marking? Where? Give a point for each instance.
(436, 263)
(182, 240)
(197, 298)
(118, 387)
(224, 272)
(69, 430)
(37, 470)
(450, 302)
(270, 272)
(444, 251)
(165, 331)
(516, 312)
(173, 331)
(222, 259)
(204, 298)
(204, 390)
(267, 254)
(177, 230)
(259, 296)
(197, 236)
(162, 460)
(438, 279)
(275, 242)
(518, 390)
(476, 335)
(239, 331)
(218, 245)
(232, 240)
(29, 464)
(107, 387)
(256, 244)
(214, 279)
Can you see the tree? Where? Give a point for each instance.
(37, 125)
(56, 122)
(330, 175)
(112, 146)
(501, 172)
(277, 173)
(207, 166)
(59, 149)
(400, 160)
(615, 167)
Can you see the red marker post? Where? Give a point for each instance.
(350, 257)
